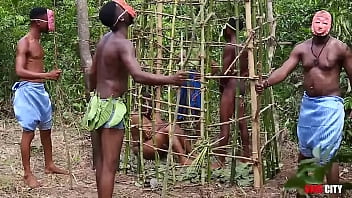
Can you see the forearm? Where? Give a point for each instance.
(276, 77)
(152, 79)
(26, 74)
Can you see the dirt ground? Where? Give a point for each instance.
(11, 184)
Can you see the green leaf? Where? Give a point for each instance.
(317, 152)
(93, 107)
(120, 110)
(106, 111)
(295, 182)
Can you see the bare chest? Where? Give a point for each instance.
(326, 58)
(35, 50)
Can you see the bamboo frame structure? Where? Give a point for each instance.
(165, 30)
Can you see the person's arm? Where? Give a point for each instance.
(128, 58)
(92, 74)
(21, 59)
(347, 63)
(280, 74)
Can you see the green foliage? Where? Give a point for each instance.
(310, 171)
(14, 24)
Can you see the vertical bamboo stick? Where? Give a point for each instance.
(171, 131)
(258, 181)
(151, 46)
(271, 51)
(58, 89)
(140, 128)
(236, 124)
(202, 87)
(209, 37)
(129, 107)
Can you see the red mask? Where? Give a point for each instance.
(51, 20)
(321, 23)
(126, 7)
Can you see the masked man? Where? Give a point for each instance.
(31, 102)
(322, 113)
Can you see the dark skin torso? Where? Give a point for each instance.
(115, 60)
(112, 75)
(228, 57)
(322, 79)
(33, 57)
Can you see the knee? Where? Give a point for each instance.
(110, 164)
(28, 135)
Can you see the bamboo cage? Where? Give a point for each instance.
(172, 35)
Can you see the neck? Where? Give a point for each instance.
(122, 31)
(232, 39)
(34, 33)
(320, 39)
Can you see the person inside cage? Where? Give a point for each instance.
(181, 146)
(228, 87)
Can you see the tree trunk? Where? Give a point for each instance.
(84, 53)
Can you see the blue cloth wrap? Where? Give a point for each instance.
(195, 97)
(320, 124)
(32, 106)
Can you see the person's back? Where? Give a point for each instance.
(112, 74)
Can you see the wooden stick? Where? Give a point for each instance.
(258, 181)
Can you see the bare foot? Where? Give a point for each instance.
(54, 170)
(31, 181)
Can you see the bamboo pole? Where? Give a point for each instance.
(171, 131)
(58, 90)
(158, 65)
(129, 106)
(271, 51)
(258, 181)
(209, 36)
(140, 128)
(202, 69)
(236, 124)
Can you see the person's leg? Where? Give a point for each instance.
(177, 146)
(243, 128)
(333, 176)
(226, 112)
(186, 145)
(162, 142)
(96, 146)
(111, 143)
(29, 178)
(95, 143)
(50, 168)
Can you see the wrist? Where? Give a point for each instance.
(44, 76)
(266, 84)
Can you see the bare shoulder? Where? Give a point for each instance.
(229, 47)
(300, 47)
(339, 45)
(23, 42)
(124, 44)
